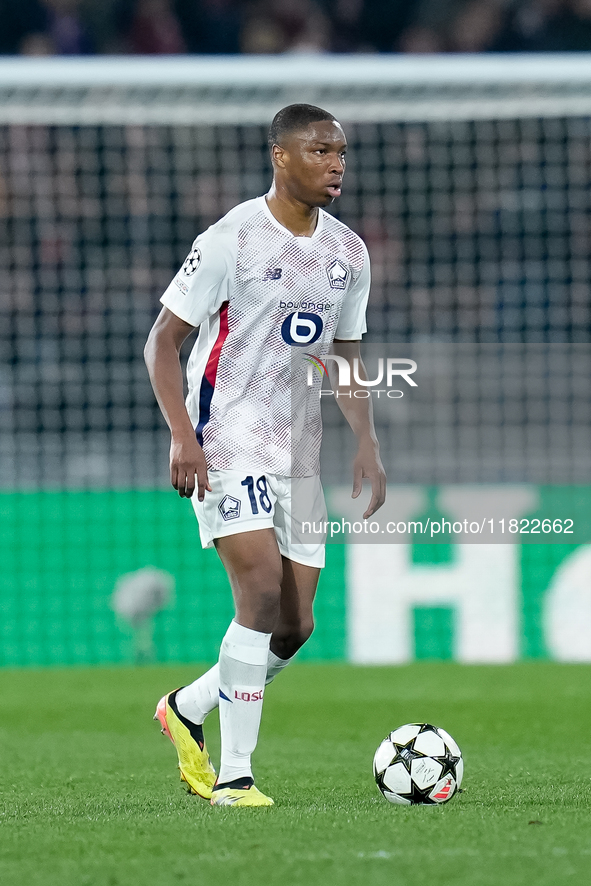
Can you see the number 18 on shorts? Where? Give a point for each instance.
(243, 501)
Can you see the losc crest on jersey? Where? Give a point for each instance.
(301, 328)
(338, 274)
(192, 262)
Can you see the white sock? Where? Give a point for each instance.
(199, 698)
(275, 665)
(243, 669)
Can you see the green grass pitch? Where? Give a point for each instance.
(91, 797)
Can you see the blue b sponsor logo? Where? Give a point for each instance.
(301, 329)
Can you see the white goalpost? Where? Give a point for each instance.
(244, 90)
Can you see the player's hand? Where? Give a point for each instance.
(187, 461)
(368, 465)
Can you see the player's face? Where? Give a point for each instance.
(314, 163)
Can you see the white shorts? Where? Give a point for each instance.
(242, 502)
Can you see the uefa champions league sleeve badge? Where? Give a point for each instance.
(192, 262)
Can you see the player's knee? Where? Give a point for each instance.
(260, 579)
(305, 630)
(267, 601)
(259, 595)
(291, 638)
(258, 608)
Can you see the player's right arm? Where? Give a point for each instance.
(195, 294)
(161, 354)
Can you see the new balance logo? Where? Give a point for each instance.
(272, 274)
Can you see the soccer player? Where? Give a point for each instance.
(275, 277)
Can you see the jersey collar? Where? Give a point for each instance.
(284, 230)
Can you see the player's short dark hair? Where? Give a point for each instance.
(292, 118)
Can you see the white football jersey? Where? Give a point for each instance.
(264, 300)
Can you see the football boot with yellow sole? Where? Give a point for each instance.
(241, 792)
(194, 763)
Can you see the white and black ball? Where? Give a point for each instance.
(418, 764)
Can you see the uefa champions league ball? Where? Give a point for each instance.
(418, 764)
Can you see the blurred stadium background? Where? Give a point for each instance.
(469, 180)
(73, 27)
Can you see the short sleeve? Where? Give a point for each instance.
(203, 283)
(352, 325)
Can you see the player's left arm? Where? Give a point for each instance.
(359, 414)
